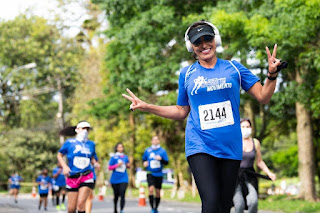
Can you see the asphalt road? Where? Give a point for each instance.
(27, 204)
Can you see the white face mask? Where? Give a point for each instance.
(83, 135)
(246, 132)
(155, 146)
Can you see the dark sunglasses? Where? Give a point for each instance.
(206, 38)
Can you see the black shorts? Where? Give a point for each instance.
(154, 181)
(90, 185)
(44, 195)
(59, 189)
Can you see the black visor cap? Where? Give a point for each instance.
(199, 31)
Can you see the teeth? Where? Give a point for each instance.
(205, 51)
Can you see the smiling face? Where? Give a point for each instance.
(206, 51)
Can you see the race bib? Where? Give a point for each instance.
(154, 164)
(81, 162)
(43, 187)
(121, 168)
(216, 115)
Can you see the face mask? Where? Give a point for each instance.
(83, 135)
(155, 146)
(246, 132)
(119, 154)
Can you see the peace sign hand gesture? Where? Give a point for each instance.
(272, 60)
(136, 102)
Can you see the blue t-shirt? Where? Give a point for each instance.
(213, 125)
(15, 181)
(60, 180)
(155, 166)
(79, 155)
(44, 187)
(119, 174)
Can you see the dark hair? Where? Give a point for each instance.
(116, 146)
(194, 25)
(245, 119)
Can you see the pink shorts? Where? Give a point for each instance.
(73, 184)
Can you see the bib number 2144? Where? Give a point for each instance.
(216, 115)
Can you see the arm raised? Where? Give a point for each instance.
(175, 112)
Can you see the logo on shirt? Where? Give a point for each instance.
(81, 149)
(152, 155)
(197, 84)
(211, 84)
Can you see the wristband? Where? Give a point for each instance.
(272, 78)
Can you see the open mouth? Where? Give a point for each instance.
(206, 51)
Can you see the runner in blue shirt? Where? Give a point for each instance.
(154, 158)
(119, 163)
(80, 152)
(14, 186)
(209, 92)
(59, 186)
(44, 183)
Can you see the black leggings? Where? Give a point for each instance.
(216, 181)
(119, 190)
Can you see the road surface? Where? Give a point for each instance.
(27, 204)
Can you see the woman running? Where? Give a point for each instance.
(81, 155)
(247, 188)
(119, 178)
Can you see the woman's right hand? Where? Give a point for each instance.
(136, 102)
(120, 163)
(145, 164)
(66, 170)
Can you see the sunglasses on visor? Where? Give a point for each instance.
(206, 38)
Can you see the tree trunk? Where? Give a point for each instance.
(249, 113)
(60, 109)
(305, 150)
(131, 157)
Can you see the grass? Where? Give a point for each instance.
(286, 203)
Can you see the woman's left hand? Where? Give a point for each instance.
(97, 165)
(272, 60)
(272, 176)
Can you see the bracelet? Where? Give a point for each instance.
(272, 78)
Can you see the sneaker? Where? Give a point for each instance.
(63, 207)
(58, 207)
(45, 209)
(152, 211)
(16, 201)
(121, 211)
(156, 211)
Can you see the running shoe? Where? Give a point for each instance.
(58, 207)
(63, 207)
(153, 211)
